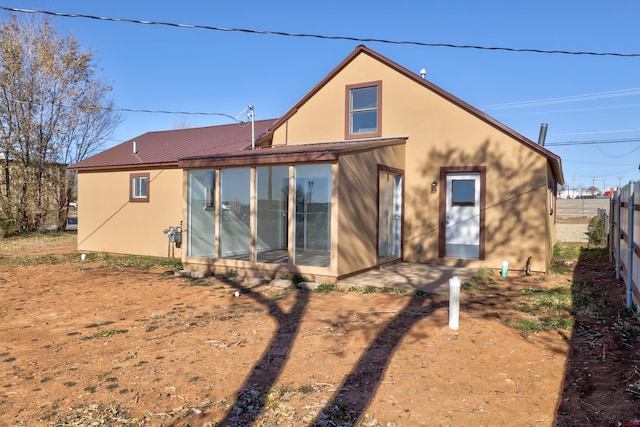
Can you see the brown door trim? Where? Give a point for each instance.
(442, 209)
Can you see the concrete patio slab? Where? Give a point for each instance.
(410, 277)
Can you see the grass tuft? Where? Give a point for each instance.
(484, 278)
(325, 288)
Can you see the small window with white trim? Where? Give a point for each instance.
(139, 187)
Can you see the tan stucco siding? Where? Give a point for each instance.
(322, 118)
(441, 134)
(551, 219)
(516, 195)
(358, 198)
(109, 222)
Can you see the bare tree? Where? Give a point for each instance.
(53, 111)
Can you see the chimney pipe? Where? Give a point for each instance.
(135, 147)
(543, 134)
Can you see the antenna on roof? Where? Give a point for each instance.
(252, 114)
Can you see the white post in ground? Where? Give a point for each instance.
(454, 302)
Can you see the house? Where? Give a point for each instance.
(375, 164)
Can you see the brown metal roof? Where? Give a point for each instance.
(165, 148)
(290, 154)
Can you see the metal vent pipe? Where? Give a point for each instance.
(543, 134)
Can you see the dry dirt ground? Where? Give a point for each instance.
(120, 341)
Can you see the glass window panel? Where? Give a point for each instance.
(201, 233)
(272, 187)
(463, 192)
(313, 215)
(363, 110)
(384, 215)
(235, 234)
(364, 122)
(390, 214)
(140, 187)
(364, 98)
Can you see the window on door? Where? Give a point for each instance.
(463, 192)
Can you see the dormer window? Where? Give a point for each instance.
(364, 110)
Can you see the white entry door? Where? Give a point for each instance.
(462, 230)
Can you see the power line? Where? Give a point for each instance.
(564, 99)
(618, 156)
(317, 36)
(136, 110)
(193, 113)
(595, 141)
(571, 110)
(598, 132)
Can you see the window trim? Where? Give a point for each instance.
(132, 178)
(348, 89)
(442, 209)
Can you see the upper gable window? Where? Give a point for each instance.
(139, 187)
(364, 110)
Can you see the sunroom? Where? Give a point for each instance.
(320, 210)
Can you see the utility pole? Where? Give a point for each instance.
(619, 182)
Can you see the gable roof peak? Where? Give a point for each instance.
(362, 49)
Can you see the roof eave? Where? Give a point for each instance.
(290, 154)
(130, 167)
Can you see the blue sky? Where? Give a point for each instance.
(582, 98)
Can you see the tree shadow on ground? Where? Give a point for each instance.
(355, 393)
(251, 398)
(348, 405)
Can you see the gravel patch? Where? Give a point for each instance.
(573, 233)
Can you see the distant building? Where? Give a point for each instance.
(569, 194)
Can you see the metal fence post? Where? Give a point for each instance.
(631, 253)
(610, 229)
(619, 231)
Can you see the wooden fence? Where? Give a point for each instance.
(624, 240)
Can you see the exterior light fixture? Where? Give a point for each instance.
(434, 186)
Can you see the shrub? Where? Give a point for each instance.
(597, 230)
